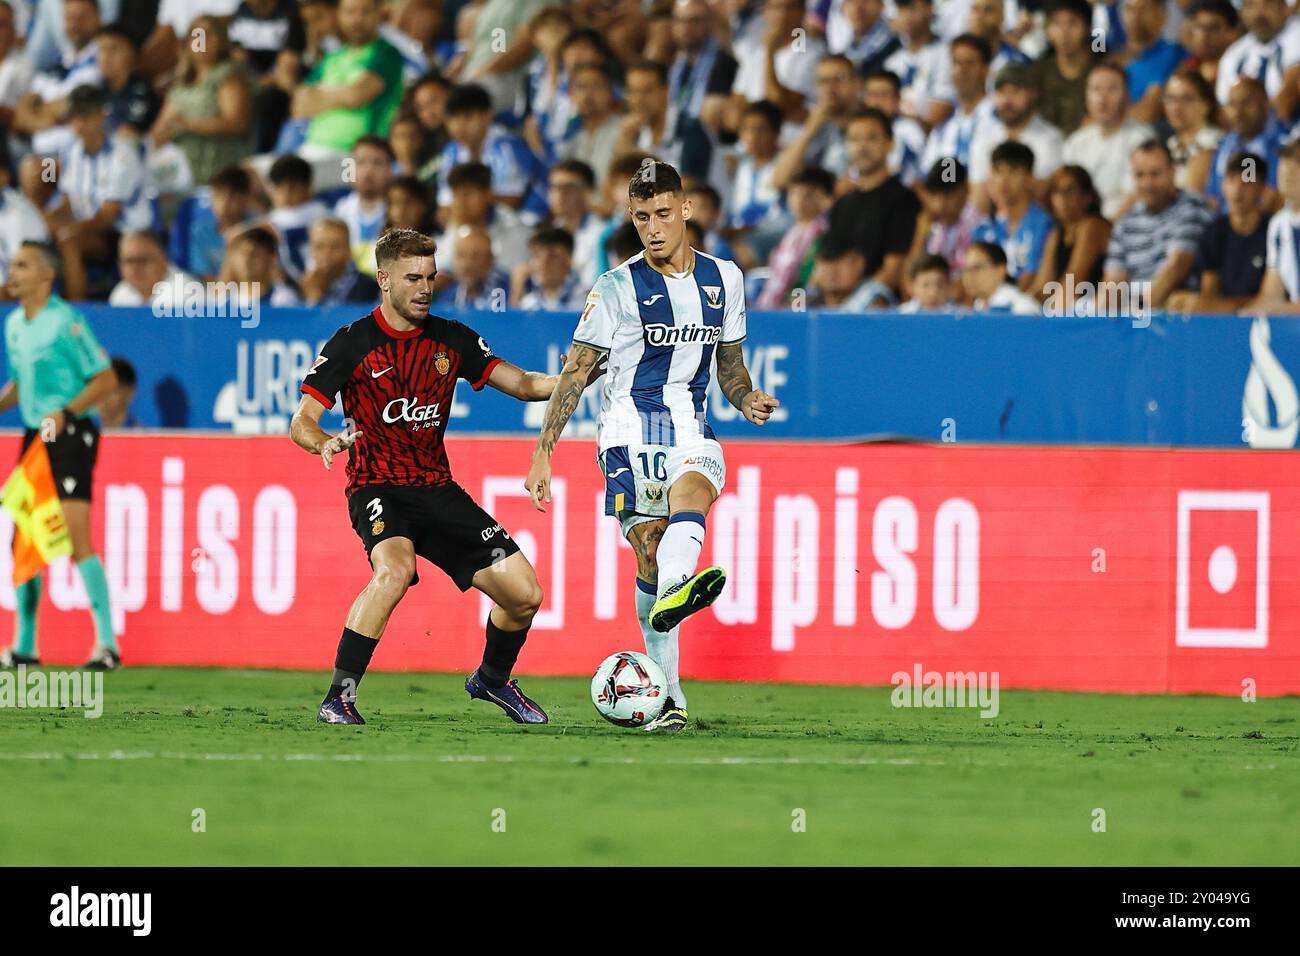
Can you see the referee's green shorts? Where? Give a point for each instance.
(72, 458)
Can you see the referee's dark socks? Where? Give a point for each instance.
(500, 654)
(355, 651)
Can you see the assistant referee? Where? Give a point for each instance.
(58, 373)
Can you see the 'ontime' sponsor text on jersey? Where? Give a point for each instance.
(397, 390)
(661, 332)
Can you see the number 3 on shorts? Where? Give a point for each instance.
(376, 508)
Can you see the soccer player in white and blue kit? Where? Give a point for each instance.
(658, 321)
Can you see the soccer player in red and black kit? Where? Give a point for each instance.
(396, 369)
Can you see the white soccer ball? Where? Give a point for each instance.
(629, 689)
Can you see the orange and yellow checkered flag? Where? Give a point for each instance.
(40, 531)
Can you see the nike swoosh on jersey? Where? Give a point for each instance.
(653, 299)
(374, 374)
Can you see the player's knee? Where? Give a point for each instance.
(391, 580)
(527, 602)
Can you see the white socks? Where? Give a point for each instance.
(679, 549)
(662, 648)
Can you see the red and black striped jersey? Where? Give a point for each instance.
(397, 391)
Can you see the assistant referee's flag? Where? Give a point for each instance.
(40, 531)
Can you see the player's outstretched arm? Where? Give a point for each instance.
(525, 386)
(307, 434)
(577, 372)
(733, 378)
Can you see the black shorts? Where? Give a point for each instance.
(444, 523)
(72, 457)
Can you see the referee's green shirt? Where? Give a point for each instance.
(51, 357)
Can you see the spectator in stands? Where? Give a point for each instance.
(1063, 74)
(364, 209)
(985, 21)
(820, 140)
(252, 273)
(174, 29)
(1019, 225)
(16, 70)
(1076, 246)
(840, 280)
(406, 137)
(320, 24)
(269, 39)
(104, 185)
(547, 280)
(920, 63)
(1103, 147)
(810, 196)
(478, 283)
(1280, 291)
(756, 212)
(868, 41)
(1148, 59)
(495, 23)
(1189, 109)
(649, 127)
(426, 100)
(475, 138)
(208, 112)
(970, 57)
(20, 222)
(410, 206)
(147, 277)
(883, 91)
(780, 63)
(879, 216)
(569, 191)
(472, 207)
(622, 244)
(1212, 28)
(38, 182)
(332, 277)
(41, 113)
(1233, 251)
(413, 27)
(198, 239)
(352, 92)
(115, 409)
(612, 202)
(599, 124)
(293, 210)
(948, 220)
(1015, 118)
(1252, 128)
(548, 108)
(930, 282)
(1155, 241)
(701, 66)
(987, 286)
(706, 212)
(132, 103)
(1266, 53)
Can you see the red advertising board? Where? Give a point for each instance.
(1082, 569)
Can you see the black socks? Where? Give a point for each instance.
(500, 654)
(355, 651)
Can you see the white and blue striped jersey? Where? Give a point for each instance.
(117, 173)
(1283, 253)
(660, 332)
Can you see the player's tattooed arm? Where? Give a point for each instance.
(580, 369)
(733, 378)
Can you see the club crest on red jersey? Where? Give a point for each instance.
(442, 363)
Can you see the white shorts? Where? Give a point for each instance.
(637, 477)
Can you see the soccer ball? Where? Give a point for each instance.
(629, 689)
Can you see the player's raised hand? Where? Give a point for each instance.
(538, 481)
(758, 405)
(335, 445)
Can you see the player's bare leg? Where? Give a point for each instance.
(76, 514)
(682, 592)
(393, 563)
(516, 595)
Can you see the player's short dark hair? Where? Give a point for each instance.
(880, 117)
(623, 243)
(401, 243)
(124, 371)
(1080, 8)
(1252, 163)
(290, 168)
(578, 168)
(948, 175)
(86, 100)
(234, 178)
(1013, 153)
(468, 98)
(976, 43)
(814, 177)
(119, 30)
(997, 255)
(888, 76)
(654, 178)
(474, 175)
(552, 236)
(768, 111)
(931, 262)
(1220, 8)
(377, 142)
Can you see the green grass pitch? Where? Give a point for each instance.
(436, 779)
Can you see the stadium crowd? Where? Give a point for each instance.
(848, 154)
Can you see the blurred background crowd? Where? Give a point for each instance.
(848, 154)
